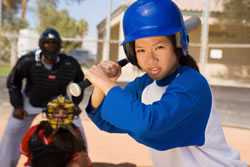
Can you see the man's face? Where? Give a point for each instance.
(51, 46)
(50, 50)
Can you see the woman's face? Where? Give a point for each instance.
(156, 56)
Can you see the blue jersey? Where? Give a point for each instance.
(177, 119)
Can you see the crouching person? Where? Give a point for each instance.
(56, 141)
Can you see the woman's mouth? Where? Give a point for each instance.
(154, 71)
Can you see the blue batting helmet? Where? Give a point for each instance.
(147, 18)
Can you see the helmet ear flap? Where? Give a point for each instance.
(129, 49)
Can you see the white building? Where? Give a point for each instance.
(27, 41)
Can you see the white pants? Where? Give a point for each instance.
(14, 131)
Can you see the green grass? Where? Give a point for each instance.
(4, 70)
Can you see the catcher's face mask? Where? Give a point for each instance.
(60, 112)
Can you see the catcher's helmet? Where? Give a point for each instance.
(50, 43)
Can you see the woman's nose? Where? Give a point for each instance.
(152, 57)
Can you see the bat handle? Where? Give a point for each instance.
(76, 88)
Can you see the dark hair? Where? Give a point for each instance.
(184, 60)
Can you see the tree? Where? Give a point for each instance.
(10, 19)
(24, 8)
(233, 24)
(235, 12)
(5, 49)
(11, 23)
(15, 6)
(49, 16)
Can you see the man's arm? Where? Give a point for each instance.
(15, 79)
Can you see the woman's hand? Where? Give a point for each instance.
(104, 75)
(111, 69)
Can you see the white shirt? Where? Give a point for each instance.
(214, 153)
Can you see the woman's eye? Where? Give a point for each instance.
(140, 50)
(159, 47)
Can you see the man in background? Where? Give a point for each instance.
(46, 73)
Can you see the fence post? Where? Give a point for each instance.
(106, 53)
(1, 11)
(13, 56)
(204, 37)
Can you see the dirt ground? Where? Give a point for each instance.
(113, 150)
